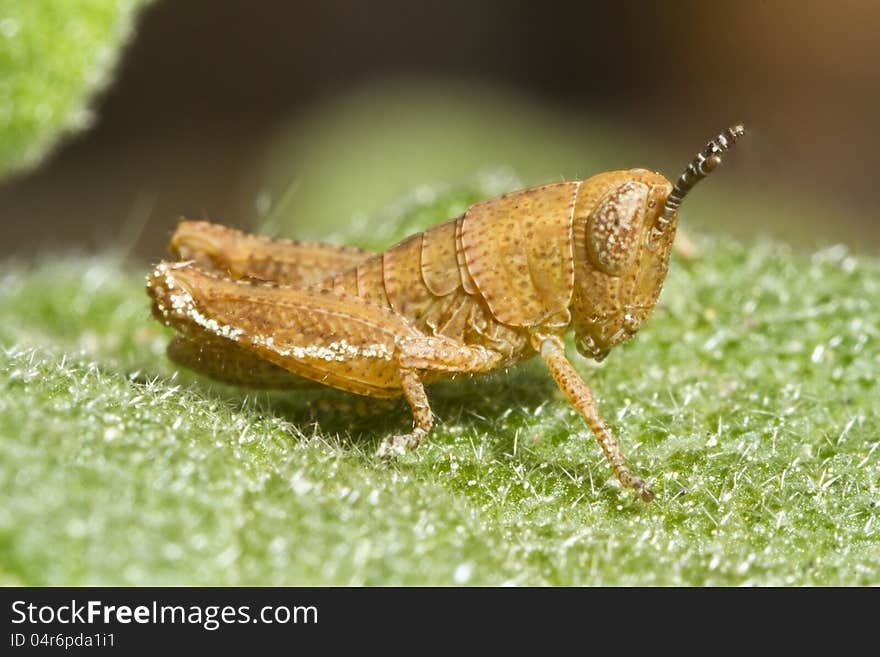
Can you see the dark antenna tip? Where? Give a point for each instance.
(706, 161)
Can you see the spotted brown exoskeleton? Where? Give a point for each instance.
(503, 282)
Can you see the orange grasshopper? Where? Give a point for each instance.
(501, 283)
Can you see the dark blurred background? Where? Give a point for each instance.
(207, 86)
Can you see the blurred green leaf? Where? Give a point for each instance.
(54, 56)
(351, 159)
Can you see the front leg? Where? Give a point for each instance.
(578, 393)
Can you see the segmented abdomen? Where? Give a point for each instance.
(425, 279)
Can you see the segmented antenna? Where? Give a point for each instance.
(702, 165)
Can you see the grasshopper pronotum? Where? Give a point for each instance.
(501, 283)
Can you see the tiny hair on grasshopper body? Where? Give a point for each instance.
(503, 282)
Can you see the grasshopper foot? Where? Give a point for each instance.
(644, 493)
(633, 482)
(394, 446)
(414, 392)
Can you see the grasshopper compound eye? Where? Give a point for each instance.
(615, 227)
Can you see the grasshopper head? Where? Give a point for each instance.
(624, 227)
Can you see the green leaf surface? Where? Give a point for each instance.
(749, 398)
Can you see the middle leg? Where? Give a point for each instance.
(423, 418)
(431, 354)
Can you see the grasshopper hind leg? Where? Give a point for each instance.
(423, 418)
(226, 362)
(228, 252)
